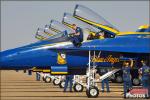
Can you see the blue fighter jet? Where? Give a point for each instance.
(65, 58)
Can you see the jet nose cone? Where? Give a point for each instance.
(5, 59)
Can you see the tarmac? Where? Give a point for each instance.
(20, 86)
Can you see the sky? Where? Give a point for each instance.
(20, 19)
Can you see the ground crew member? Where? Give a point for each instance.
(145, 72)
(127, 76)
(77, 37)
(29, 72)
(69, 79)
(38, 76)
(24, 71)
(105, 81)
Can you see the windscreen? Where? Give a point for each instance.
(41, 35)
(59, 37)
(48, 30)
(69, 19)
(59, 26)
(89, 14)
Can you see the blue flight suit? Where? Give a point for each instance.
(145, 76)
(105, 81)
(65, 33)
(17, 70)
(29, 72)
(24, 71)
(77, 39)
(38, 76)
(126, 79)
(69, 79)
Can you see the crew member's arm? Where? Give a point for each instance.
(131, 63)
(140, 71)
(77, 31)
(77, 34)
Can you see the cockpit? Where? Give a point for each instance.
(143, 28)
(61, 30)
(59, 27)
(93, 25)
(69, 20)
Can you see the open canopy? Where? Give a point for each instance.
(58, 35)
(40, 35)
(89, 16)
(68, 20)
(55, 25)
(48, 30)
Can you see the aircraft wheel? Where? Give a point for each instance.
(78, 87)
(56, 81)
(62, 84)
(112, 78)
(119, 79)
(43, 78)
(92, 92)
(24, 71)
(47, 79)
(136, 81)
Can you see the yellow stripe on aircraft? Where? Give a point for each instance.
(49, 34)
(59, 73)
(37, 70)
(67, 24)
(70, 26)
(55, 30)
(98, 25)
(40, 37)
(46, 70)
(130, 33)
(34, 69)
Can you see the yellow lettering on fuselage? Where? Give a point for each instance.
(107, 59)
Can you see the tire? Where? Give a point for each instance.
(24, 71)
(136, 81)
(47, 79)
(78, 87)
(62, 84)
(43, 78)
(119, 79)
(92, 92)
(56, 81)
(113, 79)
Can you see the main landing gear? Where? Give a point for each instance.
(91, 89)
